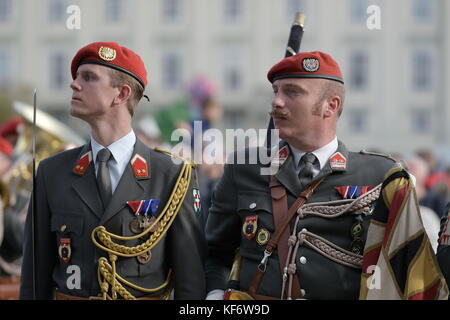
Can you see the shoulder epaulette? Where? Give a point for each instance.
(192, 163)
(388, 156)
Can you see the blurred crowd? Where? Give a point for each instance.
(432, 181)
(201, 103)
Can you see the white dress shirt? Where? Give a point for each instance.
(323, 154)
(121, 151)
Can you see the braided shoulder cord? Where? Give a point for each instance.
(333, 209)
(330, 209)
(107, 271)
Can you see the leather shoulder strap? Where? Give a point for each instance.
(279, 231)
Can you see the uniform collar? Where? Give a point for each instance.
(323, 153)
(120, 149)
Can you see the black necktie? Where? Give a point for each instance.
(103, 177)
(307, 163)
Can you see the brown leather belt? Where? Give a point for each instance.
(62, 296)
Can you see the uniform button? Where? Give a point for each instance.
(63, 228)
(304, 230)
(252, 205)
(303, 260)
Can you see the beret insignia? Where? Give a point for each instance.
(107, 53)
(310, 64)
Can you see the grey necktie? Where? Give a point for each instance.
(307, 163)
(103, 177)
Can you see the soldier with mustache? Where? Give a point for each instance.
(326, 264)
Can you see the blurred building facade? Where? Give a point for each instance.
(396, 76)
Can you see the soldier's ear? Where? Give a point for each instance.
(124, 94)
(333, 105)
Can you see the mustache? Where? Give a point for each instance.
(278, 113)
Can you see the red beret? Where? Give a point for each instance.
(306, 65)
(11, 126)
(6, 147)
(112, 55)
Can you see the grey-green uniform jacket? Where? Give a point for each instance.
(244, 192)
(68, 205)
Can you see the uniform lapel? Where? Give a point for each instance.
(287, 175)
(85, 185)
(130, 187)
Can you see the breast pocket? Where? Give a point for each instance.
(255, 210)
(68, 229)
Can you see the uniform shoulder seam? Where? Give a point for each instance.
(384, 155)
(192, 163)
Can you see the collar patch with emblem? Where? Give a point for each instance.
(83, 163)
(338, 162)
(139, 165)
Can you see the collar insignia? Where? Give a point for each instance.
(83, 163)
(139, 165)
(338, 162)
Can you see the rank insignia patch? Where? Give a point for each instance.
(83, 163)
(283, 153)
(250, 226)
(338, 162)
(280, 157)
(197, 201)
(352, 192)
(139, 165)
(64, 249)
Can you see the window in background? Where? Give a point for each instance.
(358, 11)
(421, 120)
(114, 10)
(171, 71)
(232, 70)
(5, 10)
(57, 11)
(422, 11)
(58, 70)
(232, 11)
(359, 70)
(171, 10)
(422, 70)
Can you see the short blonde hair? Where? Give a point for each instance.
(118, 79)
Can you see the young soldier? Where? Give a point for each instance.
(114, 219)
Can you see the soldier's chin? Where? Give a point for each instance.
(282, 133)
(75, 113)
